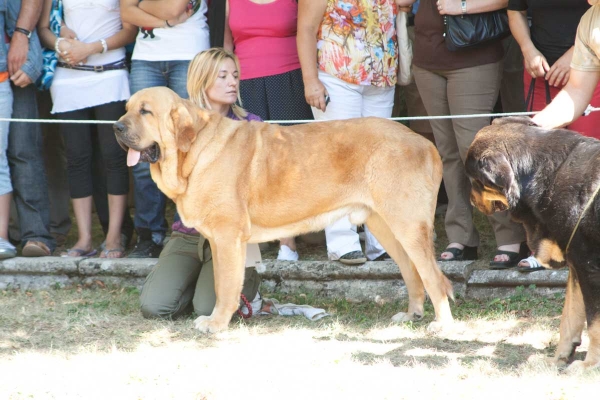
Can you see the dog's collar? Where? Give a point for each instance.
(589, 203)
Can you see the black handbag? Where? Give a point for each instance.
(470, 30)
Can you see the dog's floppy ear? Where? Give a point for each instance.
(524, 120)
(497, 170)
(185, 123)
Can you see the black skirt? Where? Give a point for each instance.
(276, 97)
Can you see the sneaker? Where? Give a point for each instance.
(33, 248)
(353, 258)
(7, 250)
(287, 254)
(384, 257)
(146, 249)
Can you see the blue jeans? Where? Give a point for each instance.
(26, 160)
(149, 201)
(6, 104)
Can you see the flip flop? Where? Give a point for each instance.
(534, 265)
(106, 252)
(79, 253)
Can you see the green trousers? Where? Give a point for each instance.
(183, 280)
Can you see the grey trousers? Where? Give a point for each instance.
(471, 90)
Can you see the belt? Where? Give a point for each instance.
(121, 64)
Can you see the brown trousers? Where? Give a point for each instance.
(471, 90)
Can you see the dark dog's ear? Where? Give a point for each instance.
(514, 120)
(497, 170)
(185, 123)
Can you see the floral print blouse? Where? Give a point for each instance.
(357, 42)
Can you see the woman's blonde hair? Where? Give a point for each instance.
(202, 74)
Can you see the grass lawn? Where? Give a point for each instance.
(94, 344)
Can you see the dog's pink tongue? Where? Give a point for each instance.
(133, 157)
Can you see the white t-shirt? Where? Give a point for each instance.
(181, 42)
(71, 90)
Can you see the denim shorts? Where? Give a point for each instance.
(6, 106)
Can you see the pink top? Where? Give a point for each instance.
(264, 37)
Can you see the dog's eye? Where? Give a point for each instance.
(144, 112)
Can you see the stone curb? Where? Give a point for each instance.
(368, 282)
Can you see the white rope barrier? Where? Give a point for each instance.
(588, 110)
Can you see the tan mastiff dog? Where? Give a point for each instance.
(241, 182)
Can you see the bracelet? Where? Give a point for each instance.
(168, 24)
(104, 46)
(463, 6)
(58, 40)
(24, 32)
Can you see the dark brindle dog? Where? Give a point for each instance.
(546, 178)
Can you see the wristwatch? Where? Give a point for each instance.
(24, 32)
(463, 6)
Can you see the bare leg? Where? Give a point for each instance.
(4, 214)
(82, 208)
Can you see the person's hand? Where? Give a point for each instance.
(449, 7)
(17, 53)
(406, 9)
(314, 92)
(20, 79)
(182, 17)
(558, 75)
(75, 52)
(535, 63)
(67, 33)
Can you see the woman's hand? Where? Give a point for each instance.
(182, 18)
(314, 92)
(558, 75)
(75, 52)
(449, 7)
(67, 33)
(535, 63)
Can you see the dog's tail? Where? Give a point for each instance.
(448, 288)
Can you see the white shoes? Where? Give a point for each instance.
(287, 254)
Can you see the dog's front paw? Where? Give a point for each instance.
(406, 317)
(440, 327)
(208, 325)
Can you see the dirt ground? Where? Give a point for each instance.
(94, 344)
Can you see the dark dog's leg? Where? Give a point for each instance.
(590, 288)
(414, 285)
(229, 255)
(571, 323)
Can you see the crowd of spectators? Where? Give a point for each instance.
(298, 60)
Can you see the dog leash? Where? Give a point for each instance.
(589, 203)
(248, 306)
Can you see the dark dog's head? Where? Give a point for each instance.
(494, 184)
(157, 119)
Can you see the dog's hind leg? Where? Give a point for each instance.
(572, 322)
(414, 285)
(415, 234)
(229, 255)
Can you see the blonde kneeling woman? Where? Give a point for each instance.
(183, 281)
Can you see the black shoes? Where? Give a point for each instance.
(146, 249)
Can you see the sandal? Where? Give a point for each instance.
(78, 253)
(466, 254)
(513, 257)
(110, 253)
(534, 265)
